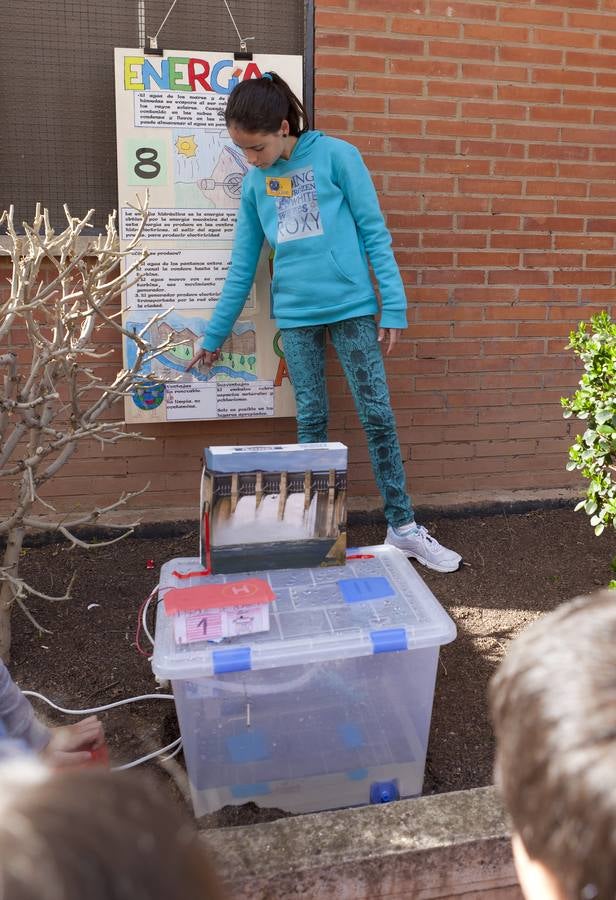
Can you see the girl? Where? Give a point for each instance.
(312, 198)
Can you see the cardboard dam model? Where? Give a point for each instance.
(273, 507)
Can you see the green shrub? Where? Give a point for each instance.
(594, 452)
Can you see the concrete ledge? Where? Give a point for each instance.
(440, 846)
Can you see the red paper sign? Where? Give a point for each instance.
(218, 596)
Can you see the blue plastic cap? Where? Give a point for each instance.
(384, 791)
(388, 640)
(237, 659)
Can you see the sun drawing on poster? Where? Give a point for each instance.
(186, 145)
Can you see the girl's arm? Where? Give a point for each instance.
(244, 258)
(17, 716)
(354, 179)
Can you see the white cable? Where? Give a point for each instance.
(149, 756)
(96, 709)
(144, 615)
(179, 747)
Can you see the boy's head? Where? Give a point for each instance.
(553, 705)
(88, 833)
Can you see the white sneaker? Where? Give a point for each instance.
(425, 549)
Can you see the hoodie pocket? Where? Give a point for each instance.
(339, 270)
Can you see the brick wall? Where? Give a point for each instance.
(489, 130)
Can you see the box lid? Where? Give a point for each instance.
(277, 458)
(376, 603)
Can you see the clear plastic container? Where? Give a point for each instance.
(331, 707)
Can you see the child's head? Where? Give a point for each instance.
(89, 833)
(553, 704)
(263, 114)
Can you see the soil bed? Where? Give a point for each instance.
(518, 566)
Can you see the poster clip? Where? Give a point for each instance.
(243, 52)
(153, 49)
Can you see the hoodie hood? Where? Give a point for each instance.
(303, 148)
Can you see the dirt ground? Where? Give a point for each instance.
(517, 566)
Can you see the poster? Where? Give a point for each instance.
(172, 141)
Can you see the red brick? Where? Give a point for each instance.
(379, 43)
(556, 188)
(325, 82)
(493, 111)
(593, 136)
(519, 313)
(563, 38)
(498, 34)
(460, 89)
(450, 313)
(336, 124)
(517, 276)
(589, 60)
(463, 331)
(492, 149)
(562, 76)
(351, 103)
(458, 165)
(428, 67)
(457, 204)
(425, 184)
(531, 16)
(375, 84)
(485, 295)
(421, 107)
(522, 132)
(461, 50)
(491, 223)
(489, 186)
(463, 10)
(494, 364)
(386, 124)
(348, 21)
(552, 223)
(598, 23)
(335, 40)
(529, 169)
(421, 145)
(560, 114)
(582, 242)
(421, 222)
(547, 295)
(590, 276)
(488, 398)
(350, 62)
(531, 54)
(460, 129)
(552, 260)
(390, 163)
(432, 27)
(589, 98)
(521, 241)
(528, 94)
(523, 205)
(487, 260)
(558, 151)
(604, 117)
(448, 348)
(471, 71)
(455, 239)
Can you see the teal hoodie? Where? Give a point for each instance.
(322, 236)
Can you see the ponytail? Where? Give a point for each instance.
(261, 104)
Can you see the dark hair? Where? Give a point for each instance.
(261, 104)
(553, 705)
(90, 833)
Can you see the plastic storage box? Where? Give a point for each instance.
(330, 708)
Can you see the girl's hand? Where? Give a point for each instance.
(390, 335)
(204, 358)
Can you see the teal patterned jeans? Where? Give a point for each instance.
(355, 341)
